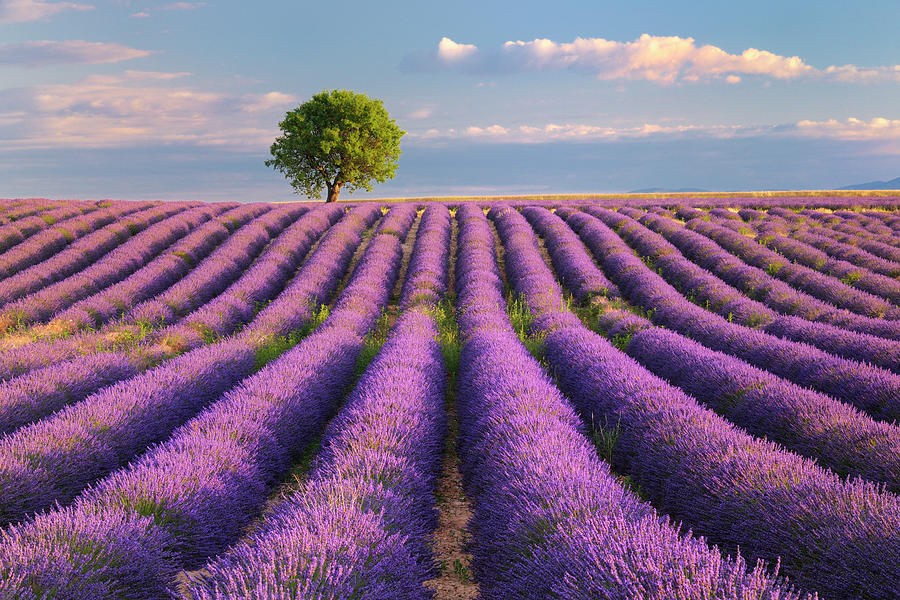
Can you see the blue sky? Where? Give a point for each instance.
(134, 100)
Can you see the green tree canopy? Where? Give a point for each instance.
(338, 139)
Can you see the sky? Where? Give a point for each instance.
(158, 100)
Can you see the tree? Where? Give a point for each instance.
(337, 139)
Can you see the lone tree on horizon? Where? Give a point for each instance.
(337, 139)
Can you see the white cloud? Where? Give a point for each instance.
(450, 52)
(40, 53)
(878, 128)
(183, 6)
(136, 108)
(661, 59)
(22, 11)
(254, 103)
(177, 6)
(529, 134)
(850, 129)
(854, 74)
(147, 75)
(421, 113)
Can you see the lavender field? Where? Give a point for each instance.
(504, 400)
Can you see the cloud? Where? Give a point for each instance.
(147, 75)
(176, 6)
(183, 6)
(254, 103)
(22, 11)
(491, 130)
(450, 52)
(854, 74)
(41, 53)
(660, 59)
(136, 108)
(851, 129)
(878, 128)
(553, 132)
(421, 113)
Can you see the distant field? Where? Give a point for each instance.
(569, 396)
(690, 198)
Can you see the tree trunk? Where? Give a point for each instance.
(333, 191)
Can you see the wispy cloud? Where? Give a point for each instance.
(136, 108)
(22, 11)
(41, 53)
(661, 59)
(421, 113)
(850, 129)
(554, 132)
(878, 128)
(175, 6)
(183, 6)
(852, 73)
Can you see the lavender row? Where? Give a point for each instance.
(869, 224)
(759, 285)
(888, 218)
(382, 451)
(279, 260)
(821, 223)
(361, 523)
(687, 213)
(878, 248)
(54, 459)
(704, 287)
(777, 234)
(550, 518)
(837, 537)
(806, 422)
(43, 391)
(852, 254)
(37, 394)
(15, 233)
(158, 274)
(192, 496)
(12, 213)
(113, 267)
(82, 252)
(47, 242)
(855, 229)
(356, 308)
(426, 276)
(869, 388)
(7, 204)
(295, 304)
(781, 222)
(573, 266)
(224, 266)
(857, 277)
(25, 402)
(235, 307)
(809, 423)
(811, 281)
(860, 248)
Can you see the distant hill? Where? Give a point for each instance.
(893, 184)
(667, 191)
